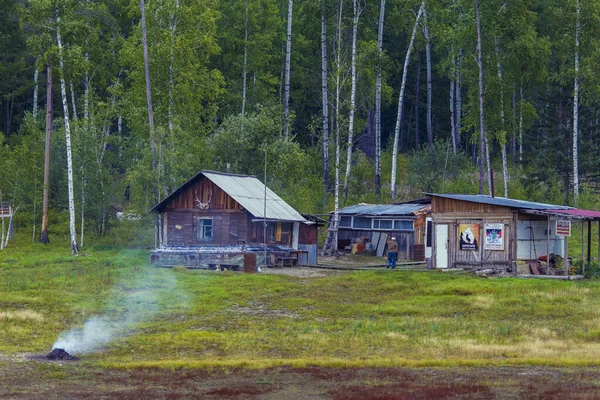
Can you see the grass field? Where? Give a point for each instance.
(175, 318)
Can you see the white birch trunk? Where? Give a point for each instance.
(378, 100)
(35, 92)
(352, 100)
(482, 138)
(63, 91)
(503, 138)
(172, 28)
(86, 93)
(336, 200)
(458, 97)
(429, 78)
(244, 71)
(521, 128)
(149, 96)
(288, 53)
(325, 105)
(488, 167)
(576, 111)
(452, 123)
(401, 102)
(73, 101)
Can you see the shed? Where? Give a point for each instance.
(374, 223)
(477, 231)
(215, 217)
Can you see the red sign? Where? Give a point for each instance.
(563, 228)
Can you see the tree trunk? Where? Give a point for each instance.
(401, 102)
(458, 96)
(378, 101)
(288, 54)
(576, 111)
(352, 100)
(149, 97)
(452, 120)
(338, 73)
(86, 93)
(514, 130)
(521, 127)
(325, 101)
(417, 99)
(481, 118)
(44, 233)
(63, 91)
(244, 70)
(73, 101)
(488, 167)
(504, 135)
(172, 28)
(429, 79)
(35, 93)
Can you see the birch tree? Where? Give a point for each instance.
(503, 135)
(44, 231)
(325, 104)
(401, 100)
(288, 54)
(576, 108)
(356, 14)
(429, 77)
(482, 137)
(63, 91)
(378, 99)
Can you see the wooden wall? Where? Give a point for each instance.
(228, 227)
(308, 234)
(455, 212)
(441, 205)
(206, 192)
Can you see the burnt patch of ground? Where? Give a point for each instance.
(29, 379)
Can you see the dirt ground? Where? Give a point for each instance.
(25, 377)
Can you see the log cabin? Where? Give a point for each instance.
(215, 218)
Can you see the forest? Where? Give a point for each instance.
(108, 106)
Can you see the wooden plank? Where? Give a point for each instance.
(381, 244)
(375, 240)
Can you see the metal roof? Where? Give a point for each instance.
(249, 192)
(502, 201)
(382, 209)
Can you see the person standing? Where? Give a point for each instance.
(392, 247)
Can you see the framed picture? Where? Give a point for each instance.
(494, 237)
(468, 237)
(563, 228)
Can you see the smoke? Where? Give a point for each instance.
(128, 306)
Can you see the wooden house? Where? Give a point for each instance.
(374, 223)
(214, 218)
(483, 232)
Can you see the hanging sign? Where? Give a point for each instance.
(494, 237)
(469, 237)
(563, 228)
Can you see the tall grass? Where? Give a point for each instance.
(358, 318)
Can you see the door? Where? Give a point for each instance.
(441, 246)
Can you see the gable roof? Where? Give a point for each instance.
(248, 191)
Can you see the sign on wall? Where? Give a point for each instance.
(563, 228)
(494, 237)
(469, 237)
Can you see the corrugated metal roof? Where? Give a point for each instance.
(381, 209)
(248, 191)
(502, 201)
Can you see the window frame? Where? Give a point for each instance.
(202, 229)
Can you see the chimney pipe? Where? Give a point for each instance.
(228, 168)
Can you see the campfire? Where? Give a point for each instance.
(60, 354)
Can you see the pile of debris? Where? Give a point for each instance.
(60, 354)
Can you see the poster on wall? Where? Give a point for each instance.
(494, 237)
(469, 237)
(563, 228)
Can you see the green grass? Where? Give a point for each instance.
(205, 319)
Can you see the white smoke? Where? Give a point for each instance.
(128, 307)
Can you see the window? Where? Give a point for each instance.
(403, 225)
(205, 228)
(362, 222)
(345, 222)
(385, 224)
